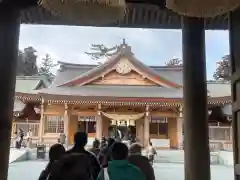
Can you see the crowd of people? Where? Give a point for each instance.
(108, 159)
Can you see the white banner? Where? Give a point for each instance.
(125, 117)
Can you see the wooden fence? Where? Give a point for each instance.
(220, 138)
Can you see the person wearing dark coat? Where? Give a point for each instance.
(73, 166)
(80, 141)
(104, 154)
(142, 162)
(119, 167)
(55, 153)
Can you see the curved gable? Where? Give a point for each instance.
(124, 62)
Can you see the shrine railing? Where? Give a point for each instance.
(220, 138)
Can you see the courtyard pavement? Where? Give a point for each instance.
(30, 170)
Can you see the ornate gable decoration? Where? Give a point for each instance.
(123, 67)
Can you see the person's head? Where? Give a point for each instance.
(71, 167)
(80, 139)
(110, 142)
(135, 148)
(119, 151)
(96, 143)
(56, 152)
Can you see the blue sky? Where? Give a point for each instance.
(153, 47)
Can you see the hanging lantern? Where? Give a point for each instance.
(87, 12)
(202, 8)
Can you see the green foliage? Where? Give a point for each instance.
(223, 69)
(27, 62)
(99, 51)
(46, 66)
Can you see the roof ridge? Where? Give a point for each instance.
(35, 77)
(218, 82)
(72, 65)
(67, 64)
(103, 65)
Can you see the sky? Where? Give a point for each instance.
(152, 47)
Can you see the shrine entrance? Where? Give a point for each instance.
(124, 130)
(123, 124)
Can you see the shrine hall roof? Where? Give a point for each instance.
(115, 91)
(27, 84)
(69, 71)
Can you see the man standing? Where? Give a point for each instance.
(119, 168)
(80, 141)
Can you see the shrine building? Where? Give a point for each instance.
(121, 92)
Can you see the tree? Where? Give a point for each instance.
(30, 61)
(174, 62)
(100, 51)
(46, 66)
(20, 64)
(27, 62)
(223, 69)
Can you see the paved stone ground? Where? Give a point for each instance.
(30, 170)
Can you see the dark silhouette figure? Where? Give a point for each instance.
(119, 168)
(142, 162)
(96, 147)
(80, 141)
(74, 166)
(104, 154)
(55, 153)
(103, 142)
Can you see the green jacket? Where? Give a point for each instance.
(122, 170)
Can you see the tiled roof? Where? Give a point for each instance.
(70, 71)
(27, 84)
(115, 91)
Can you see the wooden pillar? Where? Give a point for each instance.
(72, 128)
(14, 128)
(66, 124)
(9, 35)
(196, 144)
(41, 124)
(99, 125)
(173, 132)
(234, 40)
(180, 132)
(146, 127)
(140, 130)
(106, 124)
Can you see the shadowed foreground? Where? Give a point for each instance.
(163, 171)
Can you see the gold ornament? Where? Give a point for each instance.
(87, 12)
(202, 8)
